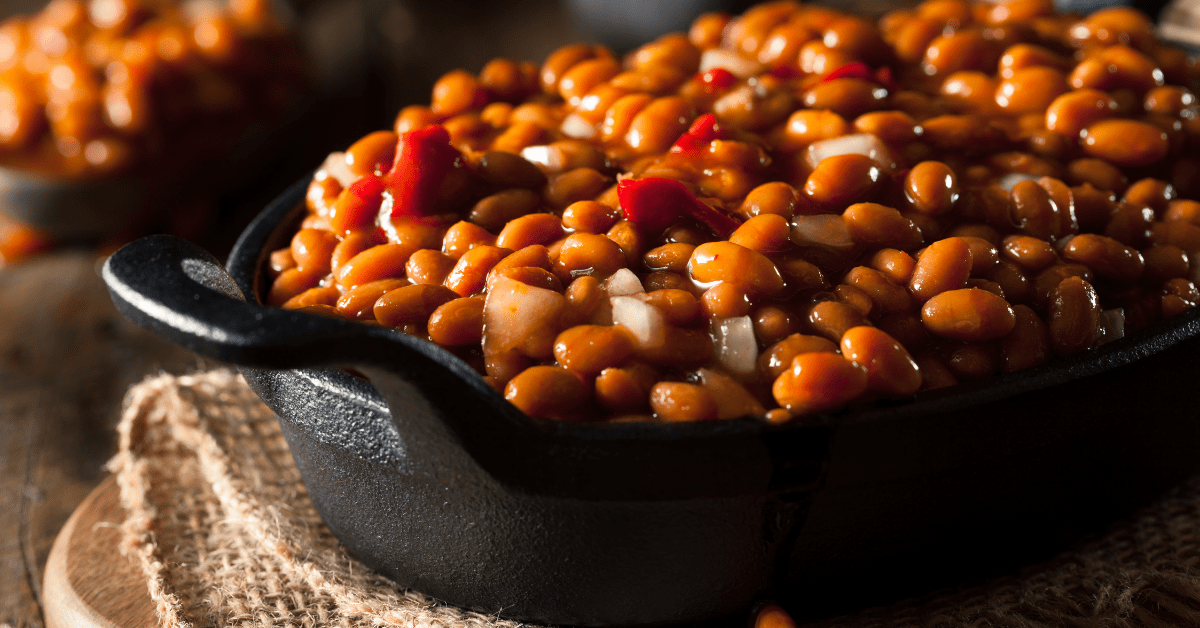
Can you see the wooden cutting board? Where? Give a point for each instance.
(87, 582)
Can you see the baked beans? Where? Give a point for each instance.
(780, 214)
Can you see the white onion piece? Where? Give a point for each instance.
(577, 127)
(622, 283)
(335, 166)
(737, 65)
(733, 400)
(1010, 180)
(545, 156)
(827, 231)
(644, 321)
(518, 315)
(736, 347)
(1112, 325)
(857, 144)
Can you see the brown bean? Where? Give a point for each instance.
(1074, 316)
(1044, 283)
(931, 187)
(548, 392)
(1028, 252)
(358, 303)
(312, 250)
(1028, 345)
(469, 275)
(378, 262)
(428, 266)
(589, 349)
(493, 212)
(887, 295)
(766, 234)
(891, 371)
(728, 262)
(589, 217)
(1011, 279)
(372, 154)
(621, 390)
(463, 236)
(530, 229)
(682, 402)
(773, 323)
(819, 382)
(777, 358)
(895, 264)
(1108, 258)
(509, 170)
(831, 319)
(944, 265)
(841, 180)
(775, 197)
(313, 296)
(1125, 142)
(726, 300)
(458, 322)
(410, 304)
(586, 253)
(881, 226)
(673, 257)
(1164, 262)
(968, 314)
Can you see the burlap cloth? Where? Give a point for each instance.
(227, 536)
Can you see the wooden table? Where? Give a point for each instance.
(66, 359)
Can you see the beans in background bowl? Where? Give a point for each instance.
(779, 214)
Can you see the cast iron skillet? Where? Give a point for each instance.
(429, 476)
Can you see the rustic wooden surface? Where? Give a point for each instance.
(88, 583)
(66, 360)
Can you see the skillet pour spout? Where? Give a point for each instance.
(429, 476)
(452, 491)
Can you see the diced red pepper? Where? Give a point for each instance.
(717, 80)
(855, 69)
(358, 205)
(653, 204)
(785, 72)
(859, 70)
(424, 158)
(703, 131)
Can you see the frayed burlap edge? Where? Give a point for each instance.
(226, 536)
(222, 526)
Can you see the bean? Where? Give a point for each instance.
(313, 296)
(773, 323)
(589, 217)
(458, 322)
(970, 361)
(968, 314)
(819, 382)
(944, 265)
(1152, 193)
(831, 319)
(893, 127)
(680, 402)
(428, 266)
(934, 373)
(880, 226)
(860, 301)
(1028, 345)
(1097, 173)
(469, 275)
(463, 236)
(493, 212)
(534, 255)
(1108, 258)
(673, 257)
(847, 97)
(1030, 90)
(1044, 283)
(373, 154)
(589, 349)
(1164, 262)
(411, 304)
(547, 392)
(530, 229)
(730, 263)
(1130, 224)
(895, 264)
(887, 295)
(586, 253)
(931, 188)
(1011, 279)
(891, 371)
(775, 197)
(358, 303)
(765, 233)
(679, 348)
(1074, 316)
(1183, 210)
(312, 250)
(1125, 142)
(777, 358)
(726, 300)
(1028, 252)
(378, 262)
(841, 180)
(1033, 212)
(509, 170)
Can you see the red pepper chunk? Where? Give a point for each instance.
(653, 204)
(424, 158)
(703, 131)
(358, 205)
(859, 70)
(717, 80)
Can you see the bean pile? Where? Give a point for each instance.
(778, 214)
(96, 87)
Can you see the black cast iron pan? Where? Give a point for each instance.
(429, 476)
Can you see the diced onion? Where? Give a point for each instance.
(623, 283)
(1010, 180)
(643, 320)
(822, 230)
(514, 312)
(1112, 325)
(736, 64)
(857, 144)
(577, 127)
(736, 347)
(548, 157)
(335, 166)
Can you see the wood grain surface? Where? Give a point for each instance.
(66, 360)
(88, 583)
